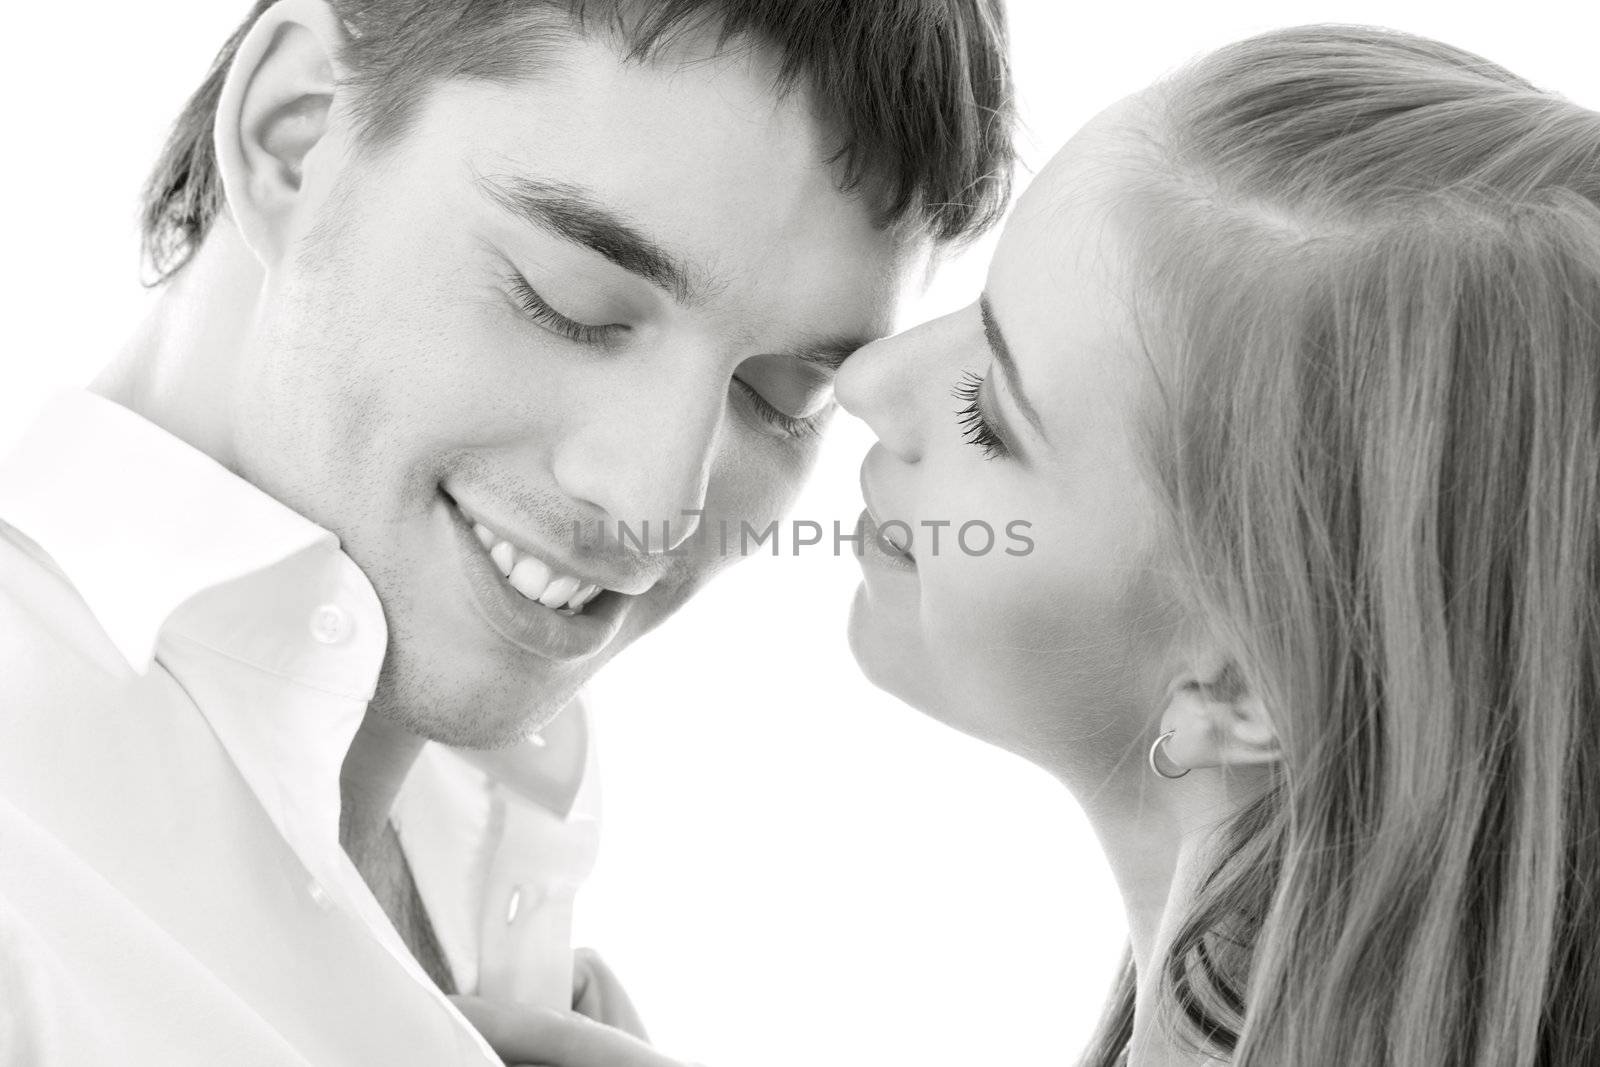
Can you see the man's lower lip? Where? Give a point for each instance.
(873, 555)
(526, 623)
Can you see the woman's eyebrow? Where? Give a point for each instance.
(1008, 365)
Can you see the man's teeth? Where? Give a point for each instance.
(559, 592)
(530, 577)
(533, 578)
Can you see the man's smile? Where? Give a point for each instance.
(532, 577)
(531, 604)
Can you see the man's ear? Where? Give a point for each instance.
(1216, 719)
(273, 111)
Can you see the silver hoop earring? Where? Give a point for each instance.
(1156, 749)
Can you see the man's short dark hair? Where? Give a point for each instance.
(918, 91)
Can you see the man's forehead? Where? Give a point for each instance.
(684, 103)
(696, 224)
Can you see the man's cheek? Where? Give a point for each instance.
(747, 487)
(786, 477)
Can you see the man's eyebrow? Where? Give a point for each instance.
(573, 214)
(1008, 364)
(830, 354)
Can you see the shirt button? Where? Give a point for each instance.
(319, 894)
(330, 624)
(522, 898)
(513, 906)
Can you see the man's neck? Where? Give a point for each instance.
(379, 760)
(380, 757)
(179, 368)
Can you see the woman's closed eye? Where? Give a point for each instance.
(975, 426)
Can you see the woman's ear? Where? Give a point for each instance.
(273, 112)
(1216, 719)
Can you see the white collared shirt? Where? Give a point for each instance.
(499, 844)
(185, 664)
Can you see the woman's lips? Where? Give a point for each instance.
(888, 547)
(878, 547)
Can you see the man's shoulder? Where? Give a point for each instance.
(48, 636)
(88, 746)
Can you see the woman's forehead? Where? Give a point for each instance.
(1062, 286)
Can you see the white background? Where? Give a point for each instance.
(797, 869)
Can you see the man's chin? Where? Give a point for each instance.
(494, 706)
(478, 727)
(489, 737)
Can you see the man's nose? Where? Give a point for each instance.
(643, 459)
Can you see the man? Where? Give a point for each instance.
(448, 289)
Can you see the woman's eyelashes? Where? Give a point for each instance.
(975, 427)
(539, 310)
(789, 425)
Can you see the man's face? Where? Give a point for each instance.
(606, 295)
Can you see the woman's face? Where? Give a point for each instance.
(1057, 651)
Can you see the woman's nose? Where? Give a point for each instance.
(884, 385)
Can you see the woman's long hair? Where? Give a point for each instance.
(1373, 298)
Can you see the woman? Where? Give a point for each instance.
(1293, 364)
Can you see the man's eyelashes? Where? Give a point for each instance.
(790, 425)
(539, 310)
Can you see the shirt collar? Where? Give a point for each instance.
(143, 524)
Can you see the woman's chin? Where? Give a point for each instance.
(892, 657)
(899, 660)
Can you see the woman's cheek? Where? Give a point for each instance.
(991, 624)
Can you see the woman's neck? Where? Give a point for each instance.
(1157, 838)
